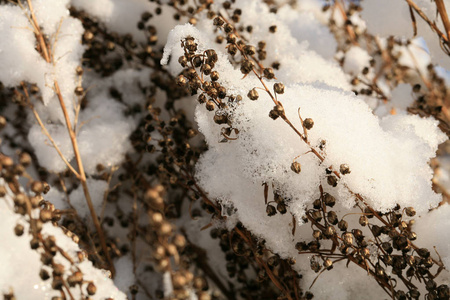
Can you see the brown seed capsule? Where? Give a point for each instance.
(45, 215)
(277, 111)
(232, 49)
(18, 229)
(25, 159)
(91, 289)
(296, 167)
(347, 239)
(37, 187)
(206, 69)
(281, 207)
(220, 119)
(331, 180)
(343, 225)
(228, 28)
(363, 221)
(365, 252)
(329, 200)
(253, 94)
(317, 234)
(344, 169)
(268, 73)
(410, 211)
(316, 215)
(210, 105)
(308, 123)
(328, 264)
(332, 217)
(247, 66)
(317, 204)
(181, 80)
(271, 210)
(79, 91)
(278, 88)
(218, 21)
(214, 76)
(330, 231)
(250, 50)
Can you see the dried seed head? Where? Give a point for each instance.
(220, 119)
(316, 215)
(332, 180)
(210, 105)
(281, 207)
(278, 88)
(250, 50)
(317, 234)
(308, 123)
(37, 187)
(253, 94)
(330, 231)
(343, 225)
(247, 66)
(268, 73)
(344, 169)
(332, 217)
(271, 210)
(45, 215)
(24, 159)
(328, 264)
(18, 229)
(228, 28)
(218, 21)
(91, 289)
(79, 91)
(329, 200)
(315, 266)
(365, 252)
(277, 111)
(410, 211)
(296, 167)
(363, 221)
(232, 49)
(206, 69)
(347, 239)
(317, 204)
(181, 80)
(214, 75)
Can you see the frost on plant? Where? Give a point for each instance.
(224, 149)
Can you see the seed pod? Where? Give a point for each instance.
(18, 229)
(214, 75)
(181, 80)
(316, 215)
(347, 239)
(206, 69)
(220, 119)
(268, 73)
(253, 94)
(91, 289)
(44, 274)
(328, 264)
(273, 29)
(278, 88)
(296, 167)
(376, 230)
(332, 217)
(412, 236)
(24, 159)
(45, 215)
(332, 180)
(344, 169)
(410, 211)
(281, 207)
(210, 105)
(271, 210)
(329, 231)
(228, 28)
(423, 252)
(343, 225)
(363, 221)
(315, 266)
(329, 200)
(308, 123)
(247, 66)
(317, 234)
(218, 21)
(365, 253)
(250, 50)
(232, 49)
(317, 204)
(387, 247)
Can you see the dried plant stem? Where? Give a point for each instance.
(81, 174)
(443, 13)
(414, 6)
